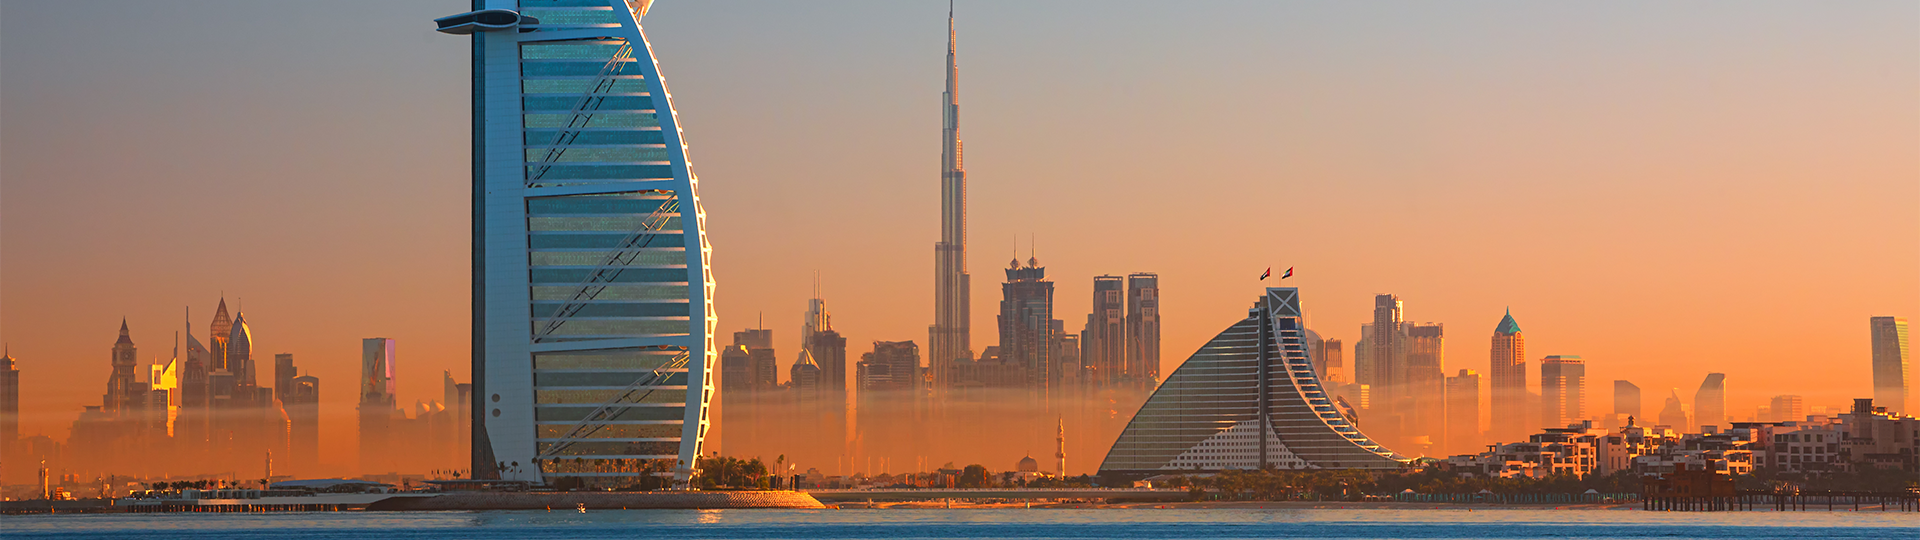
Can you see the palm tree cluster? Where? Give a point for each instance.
(719, 472)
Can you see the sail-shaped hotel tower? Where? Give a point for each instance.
(593, 312)
(1248, 399)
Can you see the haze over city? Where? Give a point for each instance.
(1666, 191)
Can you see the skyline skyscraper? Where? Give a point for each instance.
(217, 335)
(1463, 413)
(591, 272)
(949, 338)
(377, 405)
(1426, 383)
(1143, 329)
(1103, 347)
(1027, 324)
(1626, 402)
(302, 402)
(9, 402)
(196, 400)
(123, 398)
(1788, 408)
(1892, 364)
(1673, 413)
(1386, 350)
(1563, 390)
(1508, 368)
(1329, 360)
(1710, 402)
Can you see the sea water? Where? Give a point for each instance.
(979, 523)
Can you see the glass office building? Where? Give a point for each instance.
(593, 315)
(1248, 397)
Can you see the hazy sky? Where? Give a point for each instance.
(1665, 189)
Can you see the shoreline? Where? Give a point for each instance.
(1230, 505)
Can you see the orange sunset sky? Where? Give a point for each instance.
(1664, 189)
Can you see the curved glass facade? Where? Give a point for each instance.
(592, 299)
(1207, 416)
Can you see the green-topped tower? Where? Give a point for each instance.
(1508, 367)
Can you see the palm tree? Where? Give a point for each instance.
(778, 466)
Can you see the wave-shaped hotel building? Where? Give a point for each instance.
(1248, 399)
(592, 300)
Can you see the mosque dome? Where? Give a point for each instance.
(1028, 464)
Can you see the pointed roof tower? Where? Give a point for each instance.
(125, 337)
(222, 322)
(1507, 324)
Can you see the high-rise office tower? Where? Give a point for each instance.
(124, 397)
(1386, 351)
(817, 318)
(217, 335)
(1426, 381)
(1363, 359)
(458, 399)
(1329, 361)
(809, 390)
(1563, 390)
(1626, 403)
(163, 398)
(1026, 323)
(240, 354)
(1508, 368)
(1710, 402)
(9, 403)
(739, 399)
(299, 399)
(829, 350)
(377, 405)
(763, 368)
(590, 256)
(1143, 330)
(1066, 357)
(196, 415)
(1463, 412)
(302, 401)
(949, 337)
(283, 374)
(736, 375)
(1103, 345)
(1674, 413)
(1891, 359)
(1789, 408)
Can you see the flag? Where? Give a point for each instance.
(1266, 274)
(1286, 275)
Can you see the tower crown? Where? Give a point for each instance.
(1507, 325)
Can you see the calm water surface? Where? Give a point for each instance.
(978, 523)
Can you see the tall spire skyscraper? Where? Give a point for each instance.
(1509, 370)
(949, 337)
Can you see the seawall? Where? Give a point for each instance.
(602, 500)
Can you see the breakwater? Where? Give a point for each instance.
(601, 500)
